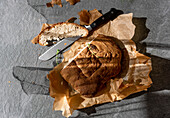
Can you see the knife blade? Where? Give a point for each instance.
(51, 52)
(65, 43)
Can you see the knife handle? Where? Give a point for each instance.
(111, 15)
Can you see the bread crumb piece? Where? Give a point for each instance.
(9, 81)
(73, 2)
(54, 2)
(58, 2)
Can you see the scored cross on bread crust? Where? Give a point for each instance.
(94, 66)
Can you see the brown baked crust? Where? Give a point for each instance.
(59, 24)
(94, 66)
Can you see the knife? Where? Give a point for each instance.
(67, 42)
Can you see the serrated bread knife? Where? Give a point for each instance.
(64, 43)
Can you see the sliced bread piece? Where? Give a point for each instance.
(59, 31)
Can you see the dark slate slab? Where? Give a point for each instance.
(24, 88)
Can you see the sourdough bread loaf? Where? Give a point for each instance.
(94, 66)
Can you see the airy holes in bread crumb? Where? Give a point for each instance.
(60, 31)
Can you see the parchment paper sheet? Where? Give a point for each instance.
(133, 78)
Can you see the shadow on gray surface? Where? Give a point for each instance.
(141, 33)
(33, 80)
(129, 110)
(158, 105)
(160, 74)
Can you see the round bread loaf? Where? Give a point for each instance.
(94, 66)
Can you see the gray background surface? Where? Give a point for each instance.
(21, 20)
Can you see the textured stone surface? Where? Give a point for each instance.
(21, 20)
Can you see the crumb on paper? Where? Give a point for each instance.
(9, 81)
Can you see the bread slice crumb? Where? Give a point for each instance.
(59, 31)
